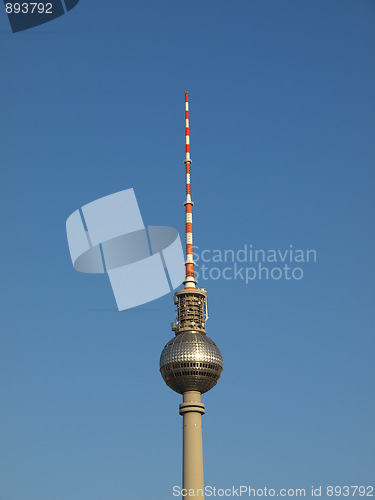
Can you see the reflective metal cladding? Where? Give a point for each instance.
(191, 362)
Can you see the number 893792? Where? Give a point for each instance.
(362, 491)
(28, 8)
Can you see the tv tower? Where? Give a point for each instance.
(191, 363)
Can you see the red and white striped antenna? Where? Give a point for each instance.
(190, 280)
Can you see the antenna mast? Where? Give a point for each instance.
(190, 280)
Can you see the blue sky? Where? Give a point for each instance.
(282, 120)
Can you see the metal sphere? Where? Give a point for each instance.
(191, 362)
